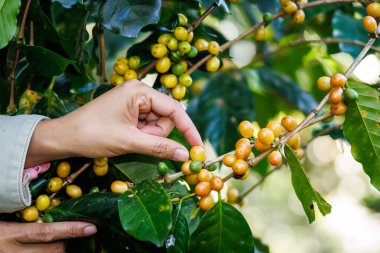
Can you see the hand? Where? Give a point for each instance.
(40, 238)
(131, 118)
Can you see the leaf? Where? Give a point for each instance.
(145, 212)
(37, 186)
(260, 247)
(9, 10)
(303, 189)
(222, 229)
(177, 241)
(128, 17)
(68, 3)
(28, 101)
(45, 62)
(51, 105)
(362, 129)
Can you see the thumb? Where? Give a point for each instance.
(160, 147)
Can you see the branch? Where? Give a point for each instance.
(102, 66)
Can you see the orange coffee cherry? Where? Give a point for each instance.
(275, 158)
(203, 189)
(217, 183)
(338, 80)
(229, 160)
(240, 167)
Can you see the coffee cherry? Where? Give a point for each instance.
(240, 167)
(55, 202)
(373, 10)
(294, 142)
(206, 203)
(178, 92)
(302, 2)
(370, 24)
(212, 167)
(198, 153)
(122, 60)
(163, 65)
(30, 214)
(242, 141)
(275, 158)
(113, 77)
(266, 136)
(290, 7)
(158, 50)
(213, 64)
(63, 169)
(175, 56)
(130, 74)
(119, 80)
(190, 37)
(47, 218)
(164, 39)
(204, 176)
(213, 48)
(338, 109)
(182, 19)
(299, 17)
(196, 166)
(261, 33)
(289, 123)
(101, 161)
(73, 191)
(229, 160)
(178, 69)
(350, 95)
(119, 186)
(336, 95)
(232, 195)
(259, 146)
(100, 170)
(245, 176)
(134, 62)
(217, 183)
(55, 184)
(120, 67)
(172, 44)
(203, 189)
(267, 17)
(184, 47)
(193, 52)
(185, 168)
(243, 151)
(93, 190)
(300, 153)
(201, 45)
(338, 80)
(282, 2)
(43, 202)
(323, 83)
(191, 179)
(170, 81)
(246, 129)
(180, 33)
(275, 127)
(186, 80)
(162, 168)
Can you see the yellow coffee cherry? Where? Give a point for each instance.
(120, 67)
(101, 161)
(186, 80)
(113, 77)
(63, 169)
(373, 10)
(190, 37)
(164, 39)
(182, 19)
(290, 7)
(179, 91)
(30, 214)
(213, 64)
(172, 44)
(213, 48)
(119, 80)
(55, 202)
(130, 74)
(299, 17)
(43, 202)
(74, 191)
(100, 170)
(180, 33)
(261, 33)
(163, 65)
(122, 60)
(201, 45)
(370, 24)
(282, 2)
(197, 153)
(158, 51)
(134, 62)
(170, 81)
(119, 186)
(55, 184)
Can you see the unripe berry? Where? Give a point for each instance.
(193, 52)
(289, 123)
(196, 166)
(275, 127)
(178, 69)
(203, 189)
(266, 136)
(240, 167)
(212, 167)
(206, 203)
(217, 183)
(338, 109)
(267, 17)
(229, 160)
(275, 158)
(261, 33)
(246, 129)
(186, 80)
(323, 83)
(134, 62)
(184, 47)
(55, 202)
(198, 153)
(164, 39)
(162, 168)
(338, 80)
(182, 19)
(350, 95)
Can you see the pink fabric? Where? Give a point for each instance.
(32, 173)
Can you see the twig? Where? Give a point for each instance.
(183, 198)
(102, 55)
(260, 182)
(31, 33)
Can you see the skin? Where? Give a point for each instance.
(130, 118)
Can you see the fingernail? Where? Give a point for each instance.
(89, 230)
(180, 155)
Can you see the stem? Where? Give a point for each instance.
(102, 55)
(259, 182)
(31, 39)
(323, 2)
(183, 198)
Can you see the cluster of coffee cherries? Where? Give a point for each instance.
(371, 21)
(125, 69)
(293, 8)
(338, 94)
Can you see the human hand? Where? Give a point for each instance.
(41, 237)
(131, 118)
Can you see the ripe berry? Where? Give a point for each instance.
(242, 141)
(259, 146)
(294, 142)
(289, 123)
(182, 19)
(134, 62)
(73, 191)
(229, 160)
(213, 48)
(299, 17)
(193, 52)
(164, 39)
(204, 176)
(290, 7)
(172, 44)
(130, 74)
(338, 80)
(240, 167)
(350, 95)
(196, 166)
(190, 37)
(282, 2)
(203, 189)
(323, 83)
(246, 129)
(55, 202)
(55, 184)
(373, 10)
(163, 65)
(178, 92)
(232, 195)
(261, 33)
(302, 2)
(170, 81)
(162, 168)
(243, 151)
(267, 17)
(185, 168)
(100, 170)
(120, 67)
(63, 169)
(180, 33)
(213, 64)
(338, 109)
(184, 47)
(245, 176)
(370, 24)
(206, 203)
(30, 214)
(198, 153)
(336, 95)
(201, 45)
(186, 80)
(122, 60)
(266, 136)
(275, 127)
(275, 158)
(119, 186)
(43, 202)
(178, 69)
(101, 161)
(191, 179)
(119, 80)
(158, 50)
(217, 183)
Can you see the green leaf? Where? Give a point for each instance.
(28, 101)
(37, 186)
(303, 189)
(177, 241)
(362, 129)
(8, 20)
(45, 62)
(51, 105)
(145, 212)
(68, 3)
(222, 229)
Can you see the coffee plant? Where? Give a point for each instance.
(53, 60)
